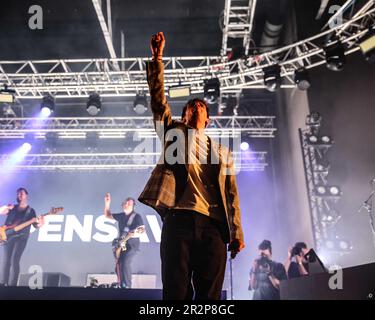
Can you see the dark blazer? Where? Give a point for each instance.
(168, 180)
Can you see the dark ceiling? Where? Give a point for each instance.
(71, 28)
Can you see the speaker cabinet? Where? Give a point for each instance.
(50, 279)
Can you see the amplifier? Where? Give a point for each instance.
(49, 279)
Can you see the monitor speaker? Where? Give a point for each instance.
(49, 279)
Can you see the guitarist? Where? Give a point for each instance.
(13, 249)
(128, 221)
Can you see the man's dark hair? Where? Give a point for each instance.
(301, 245)
(22, 189)
(192, 102)
(265, 244)
(130, 198)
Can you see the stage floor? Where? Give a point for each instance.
(81, 293)
(78, 293)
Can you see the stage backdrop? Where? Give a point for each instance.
(78, 241)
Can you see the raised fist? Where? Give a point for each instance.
(157, 44)
(107, 199)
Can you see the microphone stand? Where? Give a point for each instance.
(231, 278)
(367, 205)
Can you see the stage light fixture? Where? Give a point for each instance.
(335, 56)
(331, 217)
(327, 218)
(26, 147)
(228, 106)
(330, 244)
(322, 167)
(319, 141)
(334, 190)
(344, 245)
(302, 79)
(338, 245)
(367, 45)
(140, 104)
(328, 191)
(48, 105)
(8, 112)
(179, 91)
(272, 78)
(94, 104)
(211, 90)
(313, 139)
(314, 119)
(244, 146)
(51, 141)
(321, 190)
(7, 95)
(326, 139)
(91, 142)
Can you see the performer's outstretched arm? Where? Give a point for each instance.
(155, 78)
(107, 204)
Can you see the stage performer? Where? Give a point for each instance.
(17, 240)
(193, 188)
(129, 223)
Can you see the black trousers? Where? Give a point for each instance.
(124, 268)
(10, 266)
(193, 256)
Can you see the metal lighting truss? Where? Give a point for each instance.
(316, 172)
(74, 78)
(347, 11)
(119, 127)
(254, 161)
(140, 128)
(238, 20)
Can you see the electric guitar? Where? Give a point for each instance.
(7, 232)
(119, 244)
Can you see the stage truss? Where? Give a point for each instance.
(321, 206)
(119, 127)
(238, 22)
(124, 131)
(76, 78)
(253, 161)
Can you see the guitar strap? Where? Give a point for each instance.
(28, 210)
(131, 218)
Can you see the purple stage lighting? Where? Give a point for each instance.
(26, 147)
(244, 146)
(20, 153)
(45, 113)
(16, 157)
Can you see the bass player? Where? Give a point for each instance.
(14, 248)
